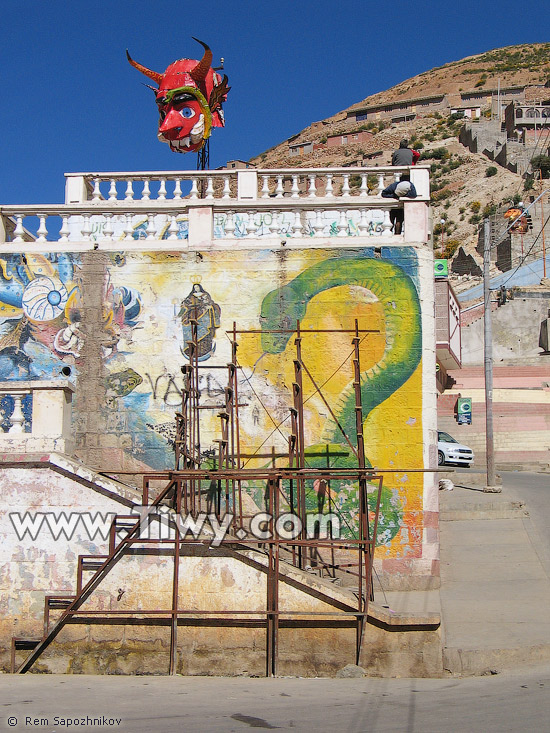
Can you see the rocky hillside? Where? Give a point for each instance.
(464, 185)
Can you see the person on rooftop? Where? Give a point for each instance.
(404, 155)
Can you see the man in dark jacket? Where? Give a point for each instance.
(400, 189)
(404, 155)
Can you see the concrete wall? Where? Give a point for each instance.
(210, 580)
(121, 324)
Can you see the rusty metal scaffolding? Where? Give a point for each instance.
(212, 481)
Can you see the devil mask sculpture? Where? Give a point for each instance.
(189, 98)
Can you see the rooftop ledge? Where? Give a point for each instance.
(195, 206)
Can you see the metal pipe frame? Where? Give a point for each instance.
(183, 492)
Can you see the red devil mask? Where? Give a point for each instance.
(189, 98)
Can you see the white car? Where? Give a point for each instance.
(450, 450)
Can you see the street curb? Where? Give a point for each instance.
(477, 662)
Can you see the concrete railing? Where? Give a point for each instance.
(49, 427)
(103, 208)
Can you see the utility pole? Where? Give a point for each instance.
(488, 360)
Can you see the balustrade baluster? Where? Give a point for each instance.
(146, 193)
(363, 223)
(381, 186)
(112, 190)
(86, 228)
(17, 418)
(108, 227)
(329, 193)
(318, 224)
(162, 190)
(345, 186)
(173, 228)
(96, 195)
(226, 188)
(386, 226)
(274, 225)
(265, 187)
(177, 190)
(42, 230)
(64, 231)
(295, 188)
(194, 193)
(129, 191)
(342, 224)
(297, 228)
(209, 188)
(279, 191)
(364, 190)
(396, 177)
(128, 228)
(151, 230)
(19, 230)
(229, 227)
(312, 186)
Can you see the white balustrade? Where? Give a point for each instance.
(310, 202)
(44, 424)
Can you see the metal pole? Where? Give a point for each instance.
(488, 358)
(543, 228)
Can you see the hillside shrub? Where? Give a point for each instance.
(491, 171)
(489, 210)
(475, 206)
(444, 193)
(451, 246)
(435, 154)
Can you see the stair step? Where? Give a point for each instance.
(92, 562)
(87, 563)
(55, 602)
(126, 519)
(25, 644)
(19, 643)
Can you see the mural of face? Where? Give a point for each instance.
(189, 98)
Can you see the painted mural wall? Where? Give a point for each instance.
(121, 322)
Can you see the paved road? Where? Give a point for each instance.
(534, 489)
(519, 702)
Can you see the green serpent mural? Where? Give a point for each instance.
(397, 294)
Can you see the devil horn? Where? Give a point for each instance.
(144, 70)
(199, 72)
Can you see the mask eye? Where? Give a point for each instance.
(187, 112)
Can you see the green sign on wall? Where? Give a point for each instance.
(441, 268)
(464, 411)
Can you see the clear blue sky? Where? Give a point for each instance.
(71, 102)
